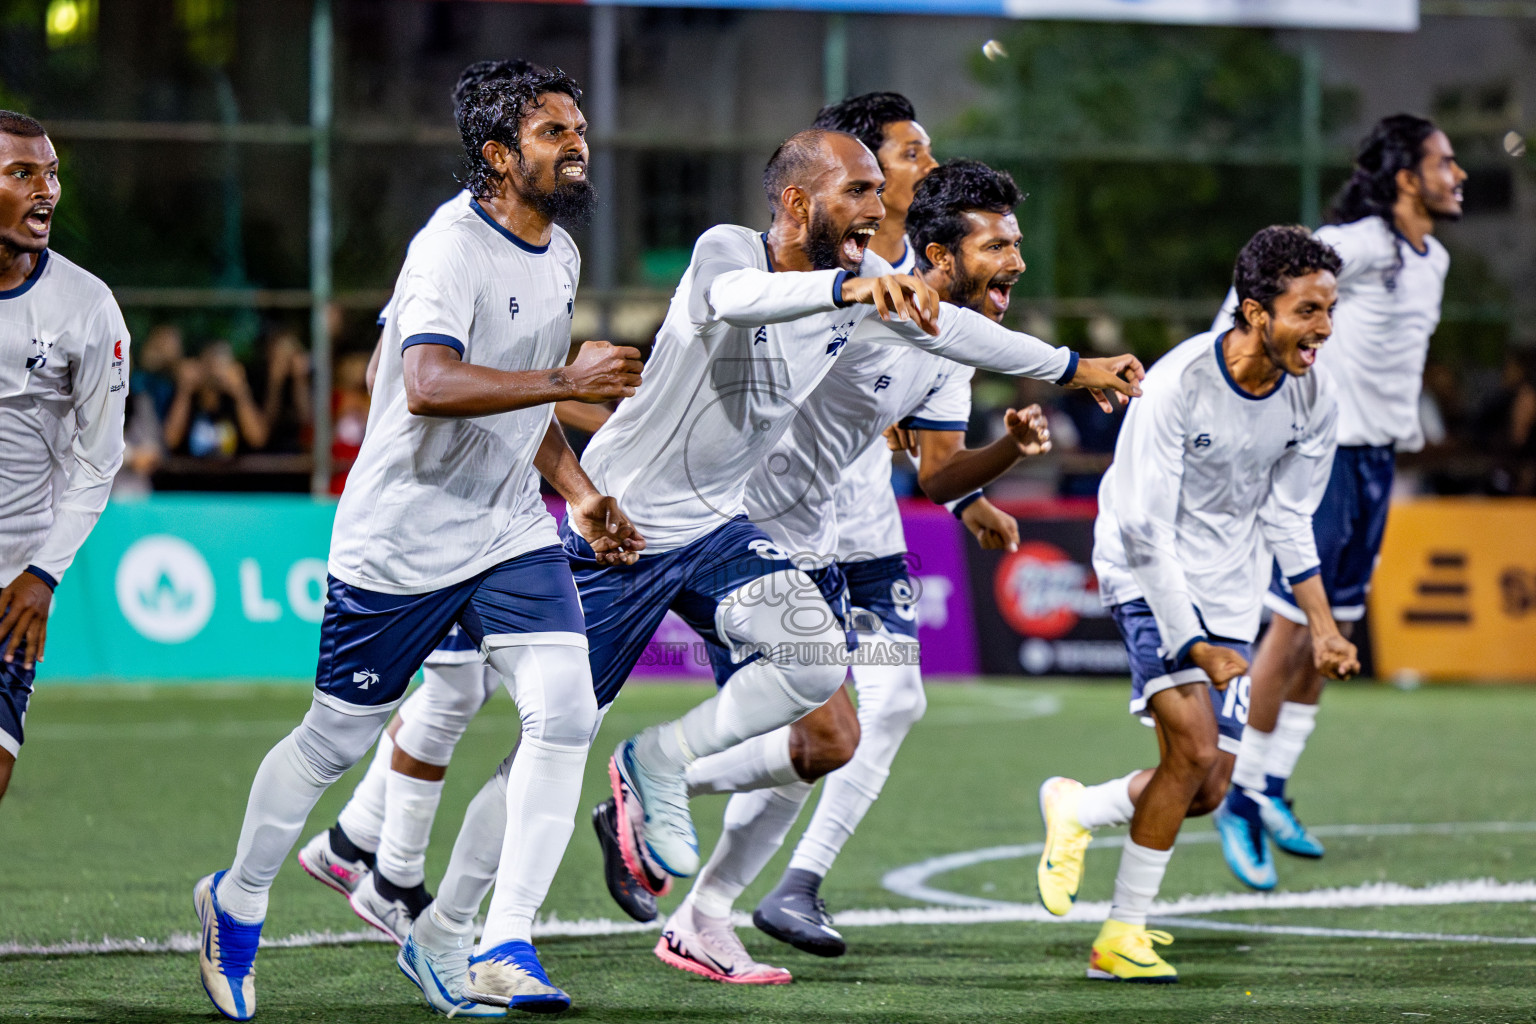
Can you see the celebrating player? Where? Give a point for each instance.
(441, 524)
(966, 240)
(756, 323)
(1227, 451)
(1406, 180)
(63, 386)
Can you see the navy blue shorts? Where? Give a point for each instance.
(833, 587)
(625, 603)
(15, 694)
(1152, 673)
(456, 649)
(882, 594)
(1348, 526)
(371, 644)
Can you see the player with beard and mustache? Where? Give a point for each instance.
(441, 524)
(966, 239)
(1406, 181)
(63, 385)
(756, 324)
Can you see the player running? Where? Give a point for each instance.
(756, 323)
(1225, 455)
(63, 386)
(1406, 181)
(441, 524)
(966, 238)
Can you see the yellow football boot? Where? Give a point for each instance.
(1123, 952)
(1061, 862)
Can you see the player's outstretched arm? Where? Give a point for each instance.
(596, 517)
(947, 470)
(1121, 374)
(1334, 656)
(439, 383)
(896, 296)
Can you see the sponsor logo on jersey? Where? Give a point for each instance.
(165, 589)
(761, 337)
(512, 307)
(1042, 592)
(1202, 440)
(882, 382)
(118, 380)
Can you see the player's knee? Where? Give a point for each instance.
(439, 712)
(1191, 757)
(1211, 794)
(329, 742)
(825, 740)
(903, 704)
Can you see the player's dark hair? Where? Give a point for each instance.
(865, 117)
(493, 110)
(1395, 144)
(485, 71)
(12, 123)
(1272, 259)
(941, 200)
(792, 162)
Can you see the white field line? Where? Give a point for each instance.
(911, 881)
(1380, 894)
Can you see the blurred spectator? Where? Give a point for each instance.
(142, 447)
(213, 414)
(1506, 426)
(154, 368)
(281, 379)
(349, 407)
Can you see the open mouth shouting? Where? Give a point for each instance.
(571, 170)
(999, 289)
(39, 220)
(1307, 350)
(855, 242)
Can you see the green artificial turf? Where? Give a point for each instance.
(125, 796)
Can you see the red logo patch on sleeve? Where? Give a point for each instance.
(117, 349)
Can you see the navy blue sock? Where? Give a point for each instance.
(1274, 786)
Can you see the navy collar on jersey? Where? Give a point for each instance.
(32, 278)
(767, 252)
(1404, 238)
(1221, 361)
(537, 250)
(906, 248)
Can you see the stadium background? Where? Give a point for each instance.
(246, 175)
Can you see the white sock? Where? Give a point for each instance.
(758, 698)
(1295, 724)
(409, 808)
(476, 854)
(1136, 884)
(845, 799)
(755, 826)
(543, 790)
(1107, 804)
(363, 817)
(1252, 759)
(757, 763)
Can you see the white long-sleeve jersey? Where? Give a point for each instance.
(63, 387)
(741, 349)
(1389, 307)
(1206, 481)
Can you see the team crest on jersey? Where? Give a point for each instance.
(882, 382)
(1202, 440)
(840, 337)
(118, 381)
(39, 357)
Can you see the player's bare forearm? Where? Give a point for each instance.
(948, 470)
(1334, 656)
(582, 416)
(557, 463)
(439, 383)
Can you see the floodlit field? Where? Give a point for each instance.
(124, 797)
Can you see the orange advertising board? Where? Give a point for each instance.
(1454, 596)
